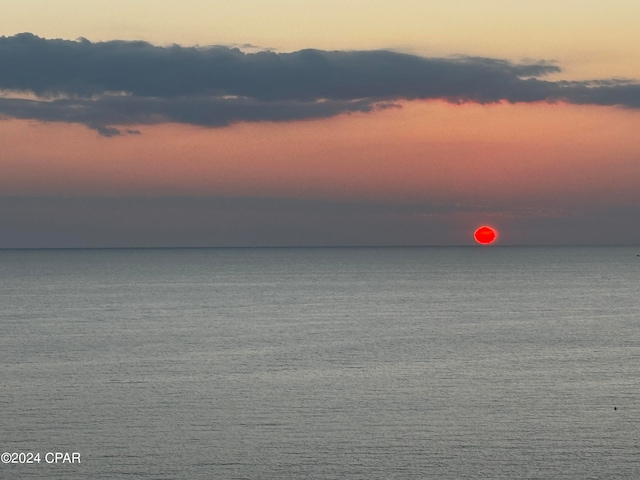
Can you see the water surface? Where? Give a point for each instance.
(444, 363)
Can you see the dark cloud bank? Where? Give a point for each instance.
(110, 85)
(88, 222)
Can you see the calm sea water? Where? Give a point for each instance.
(443, 363)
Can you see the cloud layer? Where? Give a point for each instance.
(110, 85)
(89, 222)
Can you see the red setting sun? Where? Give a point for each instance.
(485, 235)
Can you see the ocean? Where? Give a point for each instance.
(320, 363)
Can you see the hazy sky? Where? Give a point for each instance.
(282, 122)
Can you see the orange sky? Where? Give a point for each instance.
(423, 151)
(501, 161)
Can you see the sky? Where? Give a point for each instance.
(302, 123)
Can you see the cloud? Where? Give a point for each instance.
(104, 111)
(108, 85)
(88, 222)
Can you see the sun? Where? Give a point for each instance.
(485, 235)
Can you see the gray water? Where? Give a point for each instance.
(443, 363)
